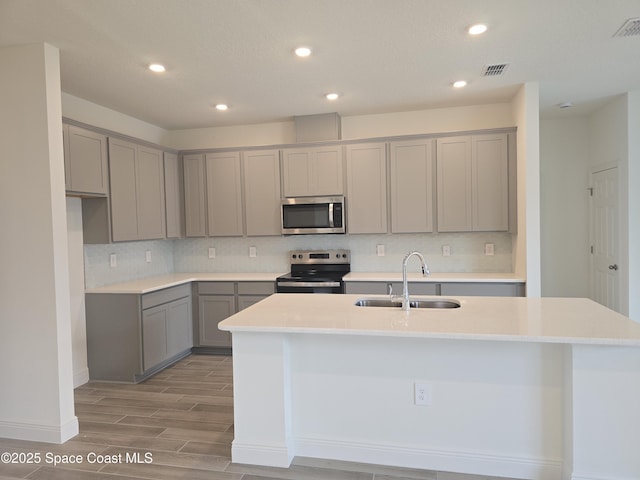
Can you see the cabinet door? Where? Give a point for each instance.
(150, 193)
(122, 170)
(490, 182)
(296, 172)
(179, 326)
(453, 173)
(327, 171)
(194, 196)
(411, 172)
(172, 195)
(366, 188)
(313, 171)
(262, 192)
(224, 194)
(86, 161)
(154, 336)
(212, 310)
(245, 301)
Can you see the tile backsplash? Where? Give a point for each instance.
(232, 254)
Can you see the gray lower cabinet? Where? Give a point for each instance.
(216, 301)
(464, 289)
(130, 337)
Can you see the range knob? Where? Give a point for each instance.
(344, 255)
(337, 255)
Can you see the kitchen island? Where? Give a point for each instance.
(518, 387)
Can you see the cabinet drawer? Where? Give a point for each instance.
(483, 289)
(216, 288)
(256, 288)
(382, 288)
(166, 295)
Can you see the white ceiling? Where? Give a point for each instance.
(380, 55)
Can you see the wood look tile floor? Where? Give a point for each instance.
(181, 420)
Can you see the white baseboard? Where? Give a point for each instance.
(479, 463)
(80, 377)
(266, 455)
(39, 433)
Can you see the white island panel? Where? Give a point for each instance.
(538, 389)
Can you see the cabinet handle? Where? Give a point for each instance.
(613, 267)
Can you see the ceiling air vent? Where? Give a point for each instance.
(630, 28)
(494, 70)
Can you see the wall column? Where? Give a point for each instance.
(35, 332)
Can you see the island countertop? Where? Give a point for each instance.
(542, 320)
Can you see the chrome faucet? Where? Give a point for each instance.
(405, 285)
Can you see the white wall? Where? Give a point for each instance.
(76, 290)
(564, 215)
(35, 340)
(633, 192)
(526, 249)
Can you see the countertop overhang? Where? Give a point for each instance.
(523, 319)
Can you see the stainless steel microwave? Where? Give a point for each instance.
(313, 215)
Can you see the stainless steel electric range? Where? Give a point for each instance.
(315, 271)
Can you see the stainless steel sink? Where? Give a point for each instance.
(387, 302)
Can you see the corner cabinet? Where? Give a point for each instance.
(195, 196)
(473, 183)
(215, 301)
(85, 162)
(366, 195)
(137, 191)
(130, 337)
(312, 171)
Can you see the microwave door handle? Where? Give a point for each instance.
(331, 223)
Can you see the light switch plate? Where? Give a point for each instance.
(380, 250)
(212, 252)
(253, 252)
(113, 260)
(446, 251)
(147, 256)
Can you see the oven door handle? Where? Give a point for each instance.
(308, 284)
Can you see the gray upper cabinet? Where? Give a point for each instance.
(473, 183)
(85, 161)
(173, 195)
(224, 194)
(261, 170)
(195, 196)
(312, 171)
(137, 191)
(366, 188)
(412, 186)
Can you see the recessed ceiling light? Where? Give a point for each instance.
(222, 107)
(332, 96)
(460, 84)
(303, 51)
(156, 67)
(477, 29)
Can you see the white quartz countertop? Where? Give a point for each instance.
(435, 277)
(543, 320)
(151, 284)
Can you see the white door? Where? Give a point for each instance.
(605, 269)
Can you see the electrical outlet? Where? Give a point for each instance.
(113, 260)
(147, 256)
(489, 249)
(212, 252)
(380, 250)
(253, 252)
(423, 393)
(446, 251)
